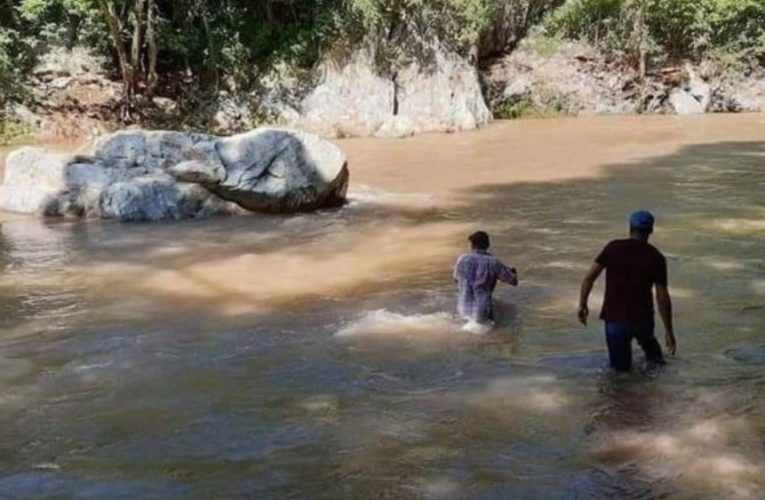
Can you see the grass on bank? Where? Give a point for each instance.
(13, 133)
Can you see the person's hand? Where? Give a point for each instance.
(671, 343)
(584, 311)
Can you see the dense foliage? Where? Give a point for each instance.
(200, 47)
(230, 43)
(666, 29)
(225, 42)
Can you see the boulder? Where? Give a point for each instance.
(692, 99)
(142, 175)
(32, 178)
(273, 170)
(684, 103)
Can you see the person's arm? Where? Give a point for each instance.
(507, 274)
(664, 303)
(586, 289)
(456, 271)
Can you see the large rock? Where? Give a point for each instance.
(444, 96)
(351, 100)
(693, 98)
(155, 175)
(354, 99)
(33, 179)
(273, 170)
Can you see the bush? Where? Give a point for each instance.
(543, 102)
(12, 132)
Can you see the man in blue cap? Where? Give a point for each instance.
(633, 268)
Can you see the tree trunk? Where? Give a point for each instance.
(151, 39)
(115, 25)
(139, 20)
(641, 38)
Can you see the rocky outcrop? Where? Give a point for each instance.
(548, 77)
(155, 175)
(354, 99)
(544, 77)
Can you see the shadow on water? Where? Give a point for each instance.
(271, 404)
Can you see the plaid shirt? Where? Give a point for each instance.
(476, 274)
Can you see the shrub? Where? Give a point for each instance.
(543, 102)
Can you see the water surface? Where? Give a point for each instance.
(316, 356)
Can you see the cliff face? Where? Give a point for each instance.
(439, 91)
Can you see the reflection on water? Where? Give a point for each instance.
(318, 355)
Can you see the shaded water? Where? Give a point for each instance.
(316, 356)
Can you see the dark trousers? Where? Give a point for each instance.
(619, 340)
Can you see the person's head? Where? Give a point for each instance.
(479, 240)
(641, 225)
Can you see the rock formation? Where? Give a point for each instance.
(153, 175)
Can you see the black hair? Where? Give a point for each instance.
(479, 240)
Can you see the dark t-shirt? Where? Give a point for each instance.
(632, 269)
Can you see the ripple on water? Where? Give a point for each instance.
(384, 323)
(751, 355)
(580, 363)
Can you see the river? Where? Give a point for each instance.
(315, 356)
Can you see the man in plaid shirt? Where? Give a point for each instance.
(476, 274)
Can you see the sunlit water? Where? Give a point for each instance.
(316, 356)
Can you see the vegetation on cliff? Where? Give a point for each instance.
(192, 50)
(644, 32)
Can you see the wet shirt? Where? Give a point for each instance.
(477, 274)
(632, 269)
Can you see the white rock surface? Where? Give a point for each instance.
(142, 175)
(353, 99)
(684, 103)
(33, 178)
(692, 99)
(274, 170)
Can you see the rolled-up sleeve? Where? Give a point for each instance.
(505, 274)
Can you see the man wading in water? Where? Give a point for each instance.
(633, 267)
(476, 274)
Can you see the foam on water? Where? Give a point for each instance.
(477, 328)
(363, 194)
(384, 323)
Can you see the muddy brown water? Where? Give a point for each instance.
(316, 356)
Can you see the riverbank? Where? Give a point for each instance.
(73, 97)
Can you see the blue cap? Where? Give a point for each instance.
(642, 220)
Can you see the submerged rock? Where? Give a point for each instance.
(155, 175)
